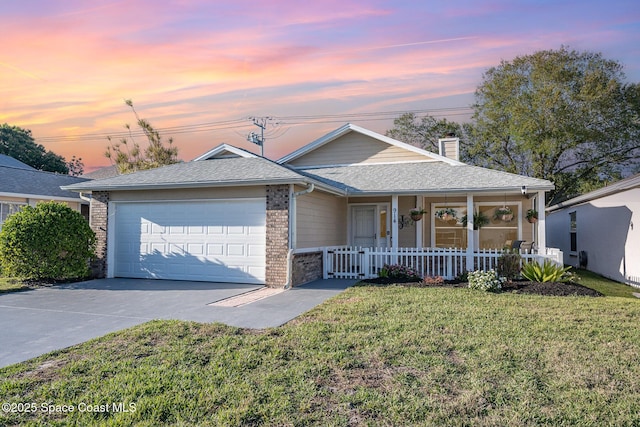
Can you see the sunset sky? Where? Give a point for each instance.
(197, 69)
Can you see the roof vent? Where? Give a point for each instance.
(449, 147)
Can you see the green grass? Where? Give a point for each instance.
(604, 285)
(370, 356)
(11, 285)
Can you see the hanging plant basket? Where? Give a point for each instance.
(532, 216)
(446, 214)
(503, 214)
(479, 220)
(416, 214)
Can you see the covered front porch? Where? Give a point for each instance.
(386, 221)
(455, 233)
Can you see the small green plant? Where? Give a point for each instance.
(485, 280)
(463, 277)
(48, 241)
(548, 271)
(532, 215)
(509, 265)
(397, 271)
(479, 220)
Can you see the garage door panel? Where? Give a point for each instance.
(210, 241)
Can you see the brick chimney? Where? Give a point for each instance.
(449, 147)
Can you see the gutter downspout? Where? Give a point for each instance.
(292, 225)
(85, 198)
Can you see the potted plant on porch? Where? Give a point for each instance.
(504, 214)
(532, 216)
(479, 220)
(446, 214)
(416, 213)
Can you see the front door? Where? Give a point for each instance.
(369, 226)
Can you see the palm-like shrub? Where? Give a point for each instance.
(548, 271)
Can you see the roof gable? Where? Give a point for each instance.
(351, 144)
(225, 151)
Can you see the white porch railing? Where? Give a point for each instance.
(347, 262)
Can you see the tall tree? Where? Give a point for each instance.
(422, 132)
(19, 144)
(75, 165)
(129, 157)
(562, 115)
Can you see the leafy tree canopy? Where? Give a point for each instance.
(422, 132)
(129, 157)
(560, 115)
(19, 144)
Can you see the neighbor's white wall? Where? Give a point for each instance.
(608, 229)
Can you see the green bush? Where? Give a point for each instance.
(548, 271)
(509, 265)
(485, 280)
(397, 271)
(48, 241)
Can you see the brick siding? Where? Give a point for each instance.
(277, 235)
(307, 267)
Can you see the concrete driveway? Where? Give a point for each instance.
(39, 321)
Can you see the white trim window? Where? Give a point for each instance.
(8, 208)
(573, 232)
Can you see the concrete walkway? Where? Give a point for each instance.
(39, 321)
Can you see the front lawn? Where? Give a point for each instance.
(605, 286)
(370, 356)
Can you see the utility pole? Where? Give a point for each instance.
(261, 122)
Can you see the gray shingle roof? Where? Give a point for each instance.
(36, 183)
(422, 177)
(217, 172)
(13, 163)
(102, 173)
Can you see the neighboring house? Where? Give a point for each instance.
(102, 173)
(597, 230)
(230, 215)
(20, 185)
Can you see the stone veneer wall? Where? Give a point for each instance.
(277, 235)
(306, 268)
(98, 221)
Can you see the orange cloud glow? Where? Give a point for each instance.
(68, 67)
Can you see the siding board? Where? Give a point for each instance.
(355, 148)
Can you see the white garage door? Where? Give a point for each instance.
(218, 241)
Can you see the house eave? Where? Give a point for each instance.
(454, 191)
(206, 184)
(42, 197)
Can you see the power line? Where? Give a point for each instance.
(242, 123)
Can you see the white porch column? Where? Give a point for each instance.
(394, 222)
(542, 232)
(471, 244)
(419, 227)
